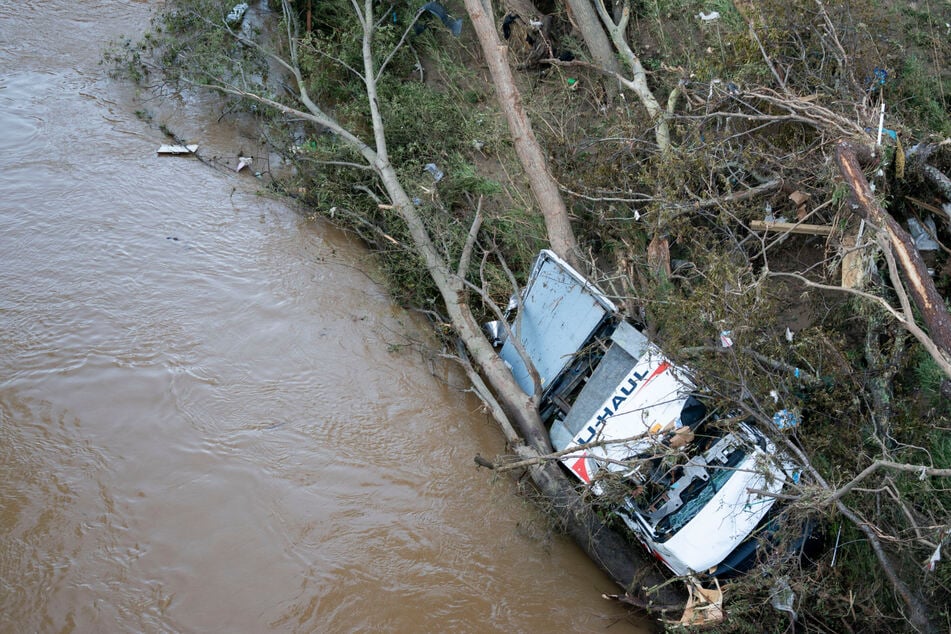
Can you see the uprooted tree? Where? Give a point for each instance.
(724, 211)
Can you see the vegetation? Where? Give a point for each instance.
(749, 109)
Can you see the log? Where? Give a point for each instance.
(920, 285)
(646, 586)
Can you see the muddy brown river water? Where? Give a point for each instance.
(208, 422)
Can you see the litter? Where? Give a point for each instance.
(936, 555)
(725, 339)
(237, 14)
(177, 149)
(785, 419)
(921, 234)
(709, 17)
(243, 162)
(791, 227)
(799, 199)
(454, 26)
(704, 605)
(782, 597)
(935, 558)
(434, 171)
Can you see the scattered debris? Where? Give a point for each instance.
(799, 199)
(237, 14)
(434, 171)
(454, 26)
(785, 419)
(243, 162)
(922, 233)
(709, 17)
(704, 605)
(725, 339)
(936, 555)
(782, 597)
(789, 334)
(177, 149)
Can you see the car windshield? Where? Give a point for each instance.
(675, 495)
(673, 522)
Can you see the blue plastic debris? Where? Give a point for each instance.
(434, 171)
(454, 26)
(785, 419)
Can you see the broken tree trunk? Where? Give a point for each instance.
(530, 154)
(920, 284)
(645, 585)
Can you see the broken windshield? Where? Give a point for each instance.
(719, 474)
(675, 494)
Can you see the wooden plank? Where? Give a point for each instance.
(791, 227)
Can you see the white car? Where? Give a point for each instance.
(694, 491)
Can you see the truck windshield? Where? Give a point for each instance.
(694, 491)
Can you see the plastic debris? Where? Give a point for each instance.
(936, 555)
(237, 14)
(434, 171)
(789, 334)
(922, 234)
(243, 162)
(454, 26)
(709, 17)
(785, 419)
(935, 558)
(725, 339)
(177, 149)
(782, 597)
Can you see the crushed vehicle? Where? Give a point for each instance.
(696, 492)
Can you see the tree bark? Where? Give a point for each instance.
(530, 154)
(586, 19)
(920, 284)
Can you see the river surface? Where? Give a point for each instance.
(210, 420)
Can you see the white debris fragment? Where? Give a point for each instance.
(237, 14)
(709, 17)
(177, 149)
(243, 162)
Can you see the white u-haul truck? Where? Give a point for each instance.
(694, 490)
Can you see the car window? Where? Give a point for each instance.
(700, 496)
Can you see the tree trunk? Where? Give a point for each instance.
(533, 160)
(920, 284)
(594, 36)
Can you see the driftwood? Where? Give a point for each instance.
(914, 269)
